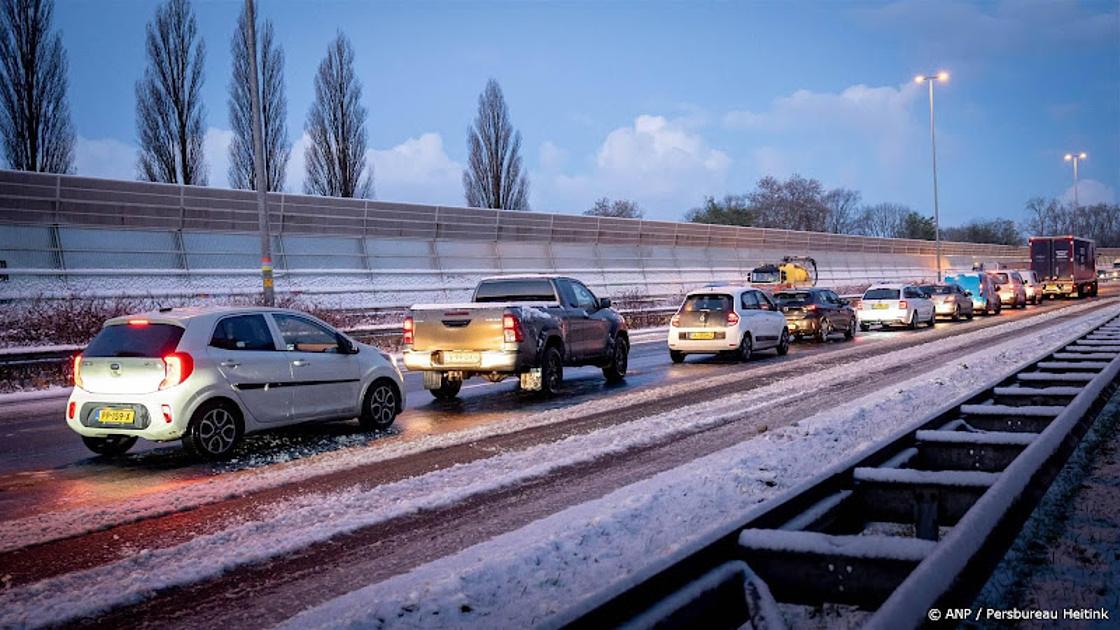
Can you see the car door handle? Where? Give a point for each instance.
(300, 363)
(229, 364)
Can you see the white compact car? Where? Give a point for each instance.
(718, 320)
(209, 376)
(889, 304)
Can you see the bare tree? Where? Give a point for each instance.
(493, 178)
(336, 157)
(274, 109)
(619, 208)
(169, 111)
(34, 112)
(842, 204)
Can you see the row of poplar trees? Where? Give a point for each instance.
(38, 135)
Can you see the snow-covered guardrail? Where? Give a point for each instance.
(917, 524)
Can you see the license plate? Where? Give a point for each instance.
(881, 307)
(455, 357)
(702, 335)
(116, 416)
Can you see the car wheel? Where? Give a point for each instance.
(616, 371)
(447, 390)
(865, 327)
(913, 325)
(676, 356)
(932, 318)
(957, 313)
(824, 330)
(745, 348)
(552, 371)
(380, 406)
(110, 446)
(850, 333)
(783, 344)
(214, 431)
(971, 313)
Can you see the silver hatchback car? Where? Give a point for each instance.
(209, 376)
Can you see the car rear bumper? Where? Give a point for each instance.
(883, 316)
(148, 413)
(488, 361)
(803, 326)
(728, 340)
(945, 308)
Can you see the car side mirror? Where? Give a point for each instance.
(968, 293)
(604, 302)
(345, 346)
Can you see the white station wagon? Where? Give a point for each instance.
(891, 304)
(734, 320)
(209, 376)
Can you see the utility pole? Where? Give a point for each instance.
(1076, 158)
(267, 294)
(930, 78)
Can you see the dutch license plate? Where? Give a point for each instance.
(882, 307)
(116, 416)
(458, 357)
(702, 335)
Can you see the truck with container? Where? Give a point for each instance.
(1066, 265)
(529, 327)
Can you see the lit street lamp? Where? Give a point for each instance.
(1076, 159)
(941, 76)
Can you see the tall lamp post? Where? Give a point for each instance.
(267, 290)
(1076, 159)
(941, 76)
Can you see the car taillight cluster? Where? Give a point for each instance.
(902, 304)
(951, 298)
(732, 318)
(675, 321)
(811, 307)
(511, 329)
(408, 331)
(177, 367)
(78, 371)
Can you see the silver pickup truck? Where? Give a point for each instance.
(525, 326)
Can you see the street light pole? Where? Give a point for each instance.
(267, 291)
(930, 78)
(1076, 159)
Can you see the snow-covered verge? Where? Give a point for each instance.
(528, 576)
(770, 464)
(45, 527)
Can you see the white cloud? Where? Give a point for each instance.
(552, 157)
(417, 171)
(105, 157)
(215, 146)
(659, 163)
(1089, 192)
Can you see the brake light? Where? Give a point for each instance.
(71, 409)
(177, 366)
(166, 409)
(137, 322)
(732, 318)
(951, 298)
(811, 307)
(675, 321)
(902, 304)
(78, 371)
(511, 328)
(408, 331)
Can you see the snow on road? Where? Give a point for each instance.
(49, 526)
(529, 576)
(298, 522)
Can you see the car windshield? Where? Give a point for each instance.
(881, 294)
(793, 298)
(135, 340)
(707, 302)
(1002, 278)
(519, 290)
(937, 289)
(766, 276)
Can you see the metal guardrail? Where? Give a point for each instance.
(964, 479)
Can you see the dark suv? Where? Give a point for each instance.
(816, 313)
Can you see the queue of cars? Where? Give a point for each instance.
(209, 376)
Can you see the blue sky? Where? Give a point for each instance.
(666, 102)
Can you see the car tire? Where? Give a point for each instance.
(447, 390)
(615, 372)
(932, 318)
(824, 329)
(913, 324)
(783, 344)
(214, 432)
(676, 356)
(746, 348)
(865, 327)
(850, 332)
(957, 313)
(552, 371)
(380, 406)
(971, 314)
(111, 446)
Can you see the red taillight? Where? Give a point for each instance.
(811, 307)
(408, 331)
(71, 409)
(511, 328)
(675, 320)
(903, 305)
(951, 298)
(137, 322)
(166, 409)
(78, 371)
(732, 318)
(177, 366)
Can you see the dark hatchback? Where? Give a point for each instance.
(816, 313)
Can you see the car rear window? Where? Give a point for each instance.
(1002, 278)
(793, 298)
(934, 289)
(881, 294)
(707, 302)
(130, 340)
(521, 290)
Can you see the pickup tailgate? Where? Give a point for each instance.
(477, 327)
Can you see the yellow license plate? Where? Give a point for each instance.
(116, 416)
(702, 335)
(881, 306)
(461, 358)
